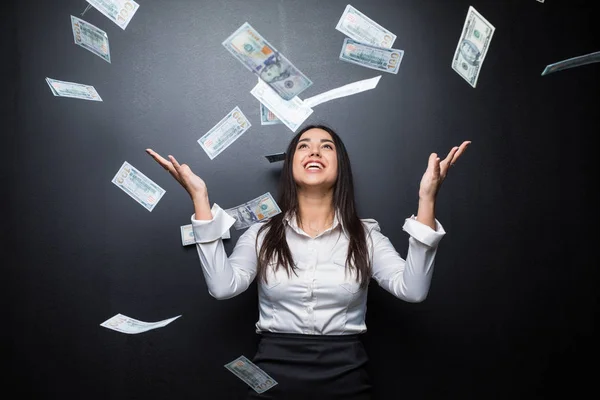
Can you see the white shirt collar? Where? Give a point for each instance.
(292, 221)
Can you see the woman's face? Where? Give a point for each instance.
(315, 160)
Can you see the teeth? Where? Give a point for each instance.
(313, 164)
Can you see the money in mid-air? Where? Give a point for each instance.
(572, 62)
(138, 186)
(378, 58)
(291, 112)
(188, 238)
(267, 117)
(343, 91)
(118, 11)
(124, 324)
(225, 132)
(254, 211)
(250, 373)
(361, 28)
(260, 57)
(472, 46)
(73, 90)
(275, 157)
(90, 38)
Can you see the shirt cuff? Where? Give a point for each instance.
(424, 233)
(210, 230)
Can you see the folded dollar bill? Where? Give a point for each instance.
(138, 186)
(254, 377)
(472, 46)
(361, 28)
(378, 58)
(267, 117)
(342, 91)
(253, 211)
(90, 38)
(260, 57)
(124, 324)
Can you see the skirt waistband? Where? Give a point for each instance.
(307, 337)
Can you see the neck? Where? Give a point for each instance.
(315, 211)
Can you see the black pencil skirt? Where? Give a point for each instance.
(313, 367)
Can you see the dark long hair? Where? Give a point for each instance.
(275, 247)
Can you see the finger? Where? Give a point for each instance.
(175, 163)
(460, 151)
(450, 157)
(159, 159)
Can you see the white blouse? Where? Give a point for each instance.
(321, 299)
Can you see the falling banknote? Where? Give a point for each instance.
(254, 211)
(572, 63)
(124, 324)
(138, 186)
(473, 46)
(275, 157)
(254, 377)
(378, 58)
(361, 28)
(267, 117)
(118, 11)
(73, 90)
(291, 112)
(90, 38)
(225, 132)
(248, 46)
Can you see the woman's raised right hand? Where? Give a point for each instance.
(191, 182)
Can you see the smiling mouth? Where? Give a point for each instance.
(313, 166)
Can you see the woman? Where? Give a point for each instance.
(313, 263)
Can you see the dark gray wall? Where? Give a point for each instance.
(511, 307)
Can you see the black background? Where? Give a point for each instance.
(510, 314)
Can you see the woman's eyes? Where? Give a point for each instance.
(305, 145)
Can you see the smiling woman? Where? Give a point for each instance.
(313, 263)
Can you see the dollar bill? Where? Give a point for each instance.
(73, 90)
(225, 132)
(361, 28)
(118, 11)
(275, 157)
(378, 58)
(253, 211)
(472, 46)
(572, 62)
(124, 324)
(188, 238)
(254, 377)
(90, 38)
(291, 112)
(260, 57)
(342, 91)
(267, 117)
(138, 186)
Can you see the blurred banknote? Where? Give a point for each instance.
(254, 211)
(572, 62)
(361, 28)
(73, 90)
(343, 91)
(138, 186)
(124, 324)
(291, 112)
(90, 38)
(275, 157)
(267, 117)
(254, 377)
(187, 235)
(472, 46)
(225, 132)
(118, 11)
(379, 58)
(248, 46)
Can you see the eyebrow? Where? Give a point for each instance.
(322, 140)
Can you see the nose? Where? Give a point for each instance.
(315, 151)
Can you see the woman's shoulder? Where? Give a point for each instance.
(370, 224)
